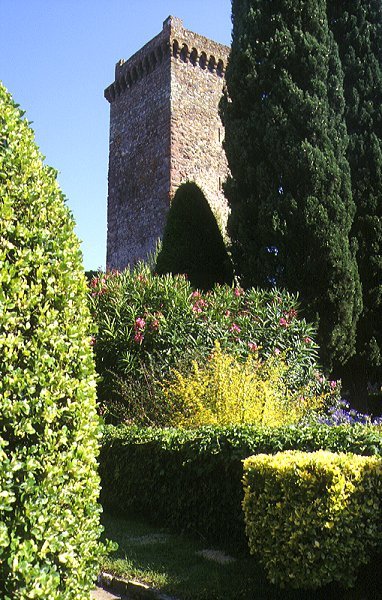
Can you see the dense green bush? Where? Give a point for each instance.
(192, 242)
(313, 518)
(147, 325)
(49, 516)
(191, 479)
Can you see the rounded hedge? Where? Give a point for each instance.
(192, 242)
(49, 516)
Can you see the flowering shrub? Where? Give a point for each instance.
(225, 391)
(342, 414)
(158, 323)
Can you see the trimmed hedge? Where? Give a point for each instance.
(49, 429)
(180, 477)
(313, 518)
(192, 242)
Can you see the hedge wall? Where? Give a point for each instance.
(49, 429)
(313, 517)
(192, 479)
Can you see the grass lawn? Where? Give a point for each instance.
(194, 570)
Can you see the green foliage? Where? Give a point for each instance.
(49, 516)
(179, 477)
(357, 28)
(313, 518)
(147, 325)
(289, 190)
(225, 391)
(192, 242)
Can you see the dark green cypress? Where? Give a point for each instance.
(192, 242)
(290, 190)
(357, 28)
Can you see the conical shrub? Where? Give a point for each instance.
(49, 516)
(192, 242)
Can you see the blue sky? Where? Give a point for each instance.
(56, 58)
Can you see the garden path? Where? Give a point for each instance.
(101, 594)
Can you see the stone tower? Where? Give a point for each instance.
(164, 130)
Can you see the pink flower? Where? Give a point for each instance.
(235, 328)
(238, 292)
(227, 313)
(154, 324)
(139, 324)
(333, 384)
(283, 322)
(252, 346)
(291, 314)
(196, 308)
(308, 340)
(199, 305)
(277, 350)
(92, 341)
(195, 294)
(138, 338)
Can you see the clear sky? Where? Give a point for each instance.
(57, 57)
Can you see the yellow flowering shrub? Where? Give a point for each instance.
(312, 518)
(225, 391)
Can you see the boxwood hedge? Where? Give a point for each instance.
(313, 518)
(49, 516)
(191, 479)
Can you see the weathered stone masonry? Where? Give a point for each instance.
(164, 129)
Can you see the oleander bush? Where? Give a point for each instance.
(146, 325)
(192, 479)
(225, 391)
(49, 430)
(313, 518)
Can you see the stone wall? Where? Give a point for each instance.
(197, 78)
(164, 129)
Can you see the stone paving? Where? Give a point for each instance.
(101, 594)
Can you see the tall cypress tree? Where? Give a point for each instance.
(357, 28)
(290, 191)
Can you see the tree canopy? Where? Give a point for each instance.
(290, 188)
(357, 28)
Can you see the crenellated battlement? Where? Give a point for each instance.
(198, 58)
(176, 43)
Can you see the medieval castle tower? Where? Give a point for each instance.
(164, 130)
